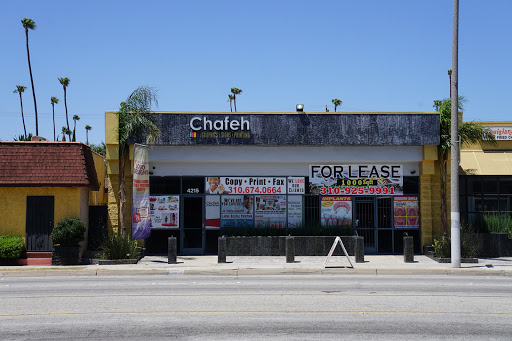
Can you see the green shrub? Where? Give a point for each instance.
(471, 244)
(68, 232)
(495, 223)
(119, 247)
(11, 247)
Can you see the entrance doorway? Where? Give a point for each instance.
(192, 237)
(39, 223)
(374, 222)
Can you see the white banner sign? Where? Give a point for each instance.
(245, 185)
(164, 211)
(356, 179)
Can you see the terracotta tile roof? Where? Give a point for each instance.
(29, 164)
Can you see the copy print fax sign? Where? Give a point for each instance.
(140, 198)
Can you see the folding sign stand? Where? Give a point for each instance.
(338, 239)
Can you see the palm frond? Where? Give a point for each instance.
(28, 23)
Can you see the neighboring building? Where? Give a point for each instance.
(42, 183)
(486, 175)
(272, 164)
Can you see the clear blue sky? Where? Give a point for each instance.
(374, 55)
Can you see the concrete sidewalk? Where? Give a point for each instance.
(236, 266)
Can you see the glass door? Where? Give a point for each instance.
(192, 237)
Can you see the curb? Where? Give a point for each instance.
(248, 271)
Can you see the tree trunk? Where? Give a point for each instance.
(66, 106)
(335, 108)
(32, 81)
(23, 117)
(234, 100)
(122, 191)
(53, 109)
(87, 136)
(444, 228)
(230, 106)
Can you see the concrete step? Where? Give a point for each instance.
(35, 261)
(39, 254)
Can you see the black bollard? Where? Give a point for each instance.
(222, 243)
(408, 249)
(290, 250)
(359, 249)
(172, 250)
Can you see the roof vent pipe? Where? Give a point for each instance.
(299, 107)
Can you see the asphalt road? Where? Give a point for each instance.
(310, 307)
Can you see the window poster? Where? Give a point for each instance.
(270, 211)
(336, 211)
(237, 211)
(212, 203)
(294, 211)
(164, 211)
(296, 184)
(406, 211)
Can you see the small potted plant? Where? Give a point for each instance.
(66, 236)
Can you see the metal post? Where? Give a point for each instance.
(172, 250)
(455, 211)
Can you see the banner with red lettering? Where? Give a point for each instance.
(356, 179)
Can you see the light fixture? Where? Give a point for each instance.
(299, 107)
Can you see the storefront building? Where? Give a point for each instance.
(486, 176)
(375, 173)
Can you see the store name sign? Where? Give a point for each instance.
(500, 133)
(203, 123)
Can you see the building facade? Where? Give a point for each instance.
(374, 173)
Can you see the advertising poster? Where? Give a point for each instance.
(245, 185)
(336, 211)
(270, 211)
(356, 179)
(212, 203)
(165, 210)
(141, 227)
(296, 185)
(294, 211)
(237, 211)
(406, 211)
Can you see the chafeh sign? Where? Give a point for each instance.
(356, 179)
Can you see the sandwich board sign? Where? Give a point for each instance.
(336, 241)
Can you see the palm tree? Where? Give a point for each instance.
(54, 100)
(230, 100)
(437, 104)
(469, 133)
(450, 76)
(336, 102)
(19, 90)
(235, 91)
(135, 118)
(75, 118)
(87, 128)
(65, 83)
(30, 24)
(64, 132)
